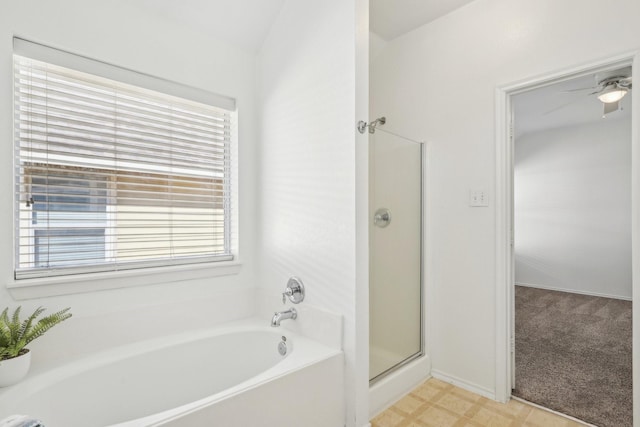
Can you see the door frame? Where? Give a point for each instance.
(504, 214)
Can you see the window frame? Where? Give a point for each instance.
(96, 279)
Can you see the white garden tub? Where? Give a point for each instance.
(230, 376)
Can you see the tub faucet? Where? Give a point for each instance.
(279, 316)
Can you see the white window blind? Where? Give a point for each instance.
(111, 176)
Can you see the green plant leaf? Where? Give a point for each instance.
(16, 334)
(45, 324)
(27, 324)
(13, 323)
(5, 332)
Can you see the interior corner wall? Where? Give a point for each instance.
(306, 74)
(124, 33)
(572, 209)
(437, 83)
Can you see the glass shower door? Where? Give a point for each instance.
(395, 236)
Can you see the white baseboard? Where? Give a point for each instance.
(573, 291)
(473, 388)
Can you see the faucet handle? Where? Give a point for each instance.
(294, 290)
(290, 292)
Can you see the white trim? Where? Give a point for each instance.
(572, 291)
(560, 414)
(65, 285)
(504, 219)
(635, 236)
(504, 225)
(458, 382)
(357, 371)
(428, 297)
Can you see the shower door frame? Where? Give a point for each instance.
(423, 335)
(504, 374)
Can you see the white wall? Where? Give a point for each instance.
(572, 206)
(438, 83)
(120, 33)
(307, 83)
(300, 176)
(376, 45)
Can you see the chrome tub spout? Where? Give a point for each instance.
(279, 316)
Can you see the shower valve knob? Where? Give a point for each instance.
(287, 293)
(382, 217)
(294, 290)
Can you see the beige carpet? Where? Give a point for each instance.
(573, 355)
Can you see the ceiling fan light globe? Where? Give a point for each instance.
(612, 94)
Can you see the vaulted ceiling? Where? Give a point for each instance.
(246, 23)
(242, 23)
(392, 18)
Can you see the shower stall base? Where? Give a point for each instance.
(382, 361)
(404, 378)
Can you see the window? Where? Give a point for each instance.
(112, 176)
(68, 218)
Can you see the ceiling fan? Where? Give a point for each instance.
(611, 87)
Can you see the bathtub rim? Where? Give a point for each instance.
(304, 353)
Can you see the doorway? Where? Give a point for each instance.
(506, 373)
(572, 247)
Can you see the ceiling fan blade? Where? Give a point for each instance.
(578, 89)
(610, 107)
(561, 106)
(625, 83)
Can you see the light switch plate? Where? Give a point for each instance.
(478, 198)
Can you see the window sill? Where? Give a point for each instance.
(64, 285)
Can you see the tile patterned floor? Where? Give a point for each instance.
(438, 404)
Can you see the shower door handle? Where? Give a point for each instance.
(382, 217)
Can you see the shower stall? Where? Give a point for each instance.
(396, 292)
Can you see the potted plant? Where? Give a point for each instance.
(15, 334)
